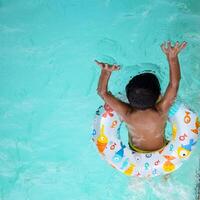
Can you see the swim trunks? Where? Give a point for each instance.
(134, 148)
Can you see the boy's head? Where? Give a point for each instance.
(143, 91)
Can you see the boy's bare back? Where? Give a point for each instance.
(146, 127)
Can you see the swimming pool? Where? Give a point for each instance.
(48, 94)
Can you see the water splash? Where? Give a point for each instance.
(159, 188)
(197, 188)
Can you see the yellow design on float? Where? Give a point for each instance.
(102, 140)
(130, 169)
(168, 166)
(174, 131)
(184, 125)
(183, 153)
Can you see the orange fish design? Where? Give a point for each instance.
(102, 140)
(114, 124)
(197, 125)
(187, 117)
(129, 170)
(168, 166)
(161, 150)
(108, 111)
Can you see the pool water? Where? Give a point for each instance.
(48, 96)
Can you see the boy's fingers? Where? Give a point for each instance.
(183, 45)
(176, 45)
(107, 66)
(102, 65)
(169, 45)
(163, 47)
(116, 67)
(98, 63)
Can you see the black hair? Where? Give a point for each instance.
(143, 91)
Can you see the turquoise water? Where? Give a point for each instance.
(48, 94)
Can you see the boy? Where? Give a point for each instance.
(146, 113)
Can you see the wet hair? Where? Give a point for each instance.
(143, 91)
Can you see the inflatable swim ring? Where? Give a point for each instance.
(106, 136)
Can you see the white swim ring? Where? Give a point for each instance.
(106, 136)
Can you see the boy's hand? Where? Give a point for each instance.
(107, 67)
(172, 51)
(174, 72)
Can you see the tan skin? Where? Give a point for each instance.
(146, 127)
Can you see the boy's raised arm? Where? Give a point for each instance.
(118, 106)
(175, 75)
